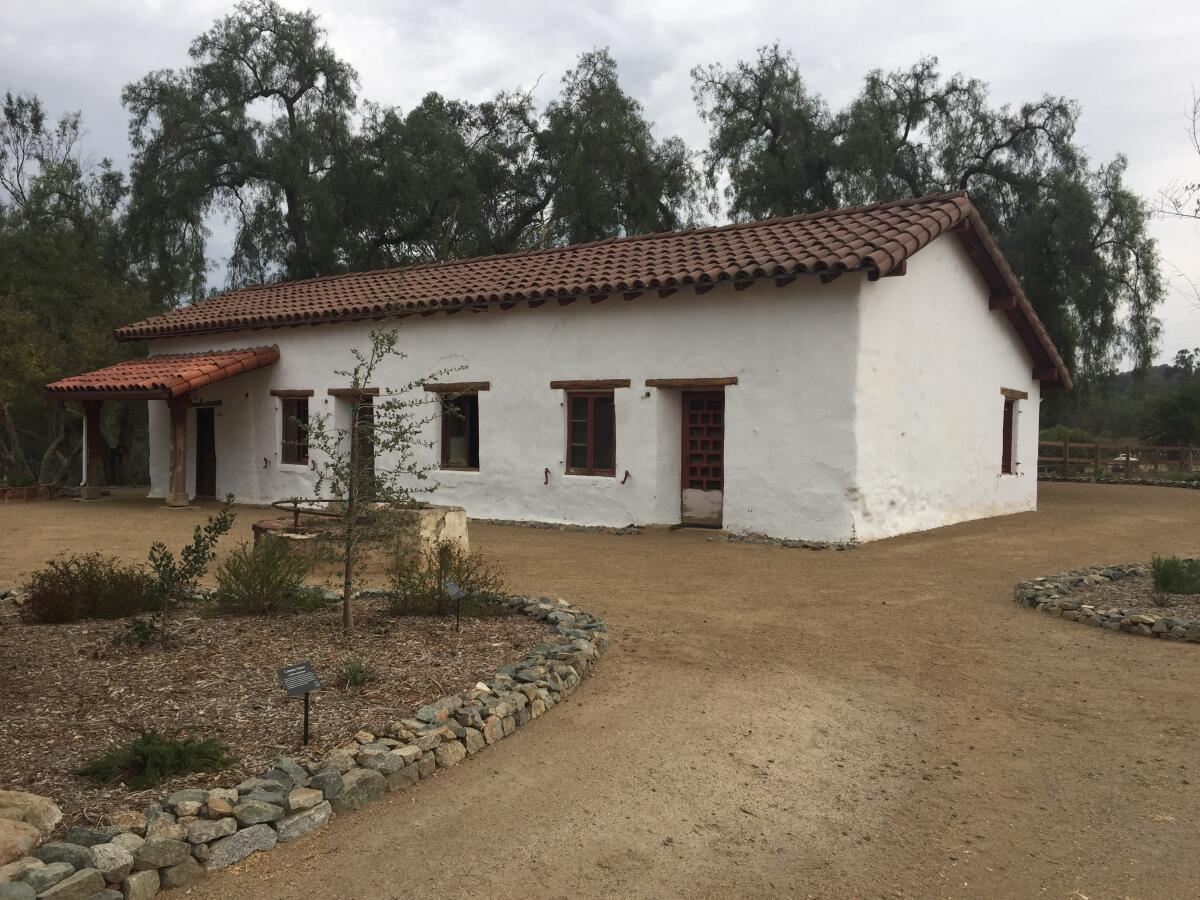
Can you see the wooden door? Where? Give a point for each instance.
(703, 464)
(206, 452)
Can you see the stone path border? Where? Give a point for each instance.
(751, 537)
(193, 832)
(1052, 595)
(1101, 479)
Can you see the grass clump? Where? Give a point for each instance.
(90, 586)
(418, 583)
(1174, 575)
(265, 579)
(151, 759)
(137, 633)
(353, 672)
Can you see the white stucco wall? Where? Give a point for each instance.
(931, 364)
(790, 428)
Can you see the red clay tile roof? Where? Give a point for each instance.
(166, 376)
(876, 239)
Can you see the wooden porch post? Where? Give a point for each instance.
(177, 495)
(93, 466)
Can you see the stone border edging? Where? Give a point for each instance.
(1050, 595)
(195, 831)
(1097, 479)
(753, 537)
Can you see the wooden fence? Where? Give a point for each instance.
(1129, 460)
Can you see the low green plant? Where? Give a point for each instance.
(177, 576)
(264, 579)
(1173, 575)
(90, 586)
(353, 672)
(137, 633)
(418, 582)
(151, 759)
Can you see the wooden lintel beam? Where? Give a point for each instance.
(458, 387)
(354, 392)
(1002, 301)
(293, 394)
(590, 384)
(691, 383)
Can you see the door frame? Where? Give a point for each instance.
(684, 396)
(210, 413)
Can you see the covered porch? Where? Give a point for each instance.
(171, 378)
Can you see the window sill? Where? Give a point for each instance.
(295, 467)
(576, 473)
(458, 468)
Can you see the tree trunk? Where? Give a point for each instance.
(348, 547)
(11, 451)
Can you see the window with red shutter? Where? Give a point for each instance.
(1006, 458)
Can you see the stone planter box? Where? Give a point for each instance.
(420, 529)
(29, 492)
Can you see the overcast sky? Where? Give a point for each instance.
(1131, 65)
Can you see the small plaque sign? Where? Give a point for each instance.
(299, 679)
(453, 591)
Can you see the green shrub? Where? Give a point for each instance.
(137, 633)
(1173, 575)
(151, 759)
(90, 586)
(265, 579)
(353, 672)
(418, 583)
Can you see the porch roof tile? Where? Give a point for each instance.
(165, 376)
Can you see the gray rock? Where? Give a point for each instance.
(128, 841)
(32, 809)
(360, 787)
(181, 875)
(205, 830)
(328, 782)
(194, 794)
(387, 763)
(106, 894)
(156, 812)
(15, 871)
(158, 854)
(89, 837)
(46, 877)
(112, 861)
(404, 778)
(16, 890)
(61, 851)
(426, 764)
(275, 797)
(79, 886)
(449, 754)
(188, 809)
(293, 770)
(237, 847)
(301, 823)
(140, 885)
(255, 812)
(162, 830)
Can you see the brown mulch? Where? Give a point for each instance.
(67, 694)
(1138, 594)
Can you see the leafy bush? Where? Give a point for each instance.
(264, 579)
(1074, 435)
(353, 672)
(1173, 575)
(137, 633)
(90, 586)
(418, 583)
(151, 759)
(177, 577)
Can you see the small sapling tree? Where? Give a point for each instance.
(371, 465)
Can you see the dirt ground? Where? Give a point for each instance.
(881, 723)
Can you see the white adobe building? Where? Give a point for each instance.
(847, 375)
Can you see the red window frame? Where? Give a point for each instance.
(294, 445)
(1006, 455)
(591, 468)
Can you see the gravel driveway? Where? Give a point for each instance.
(883, 722)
